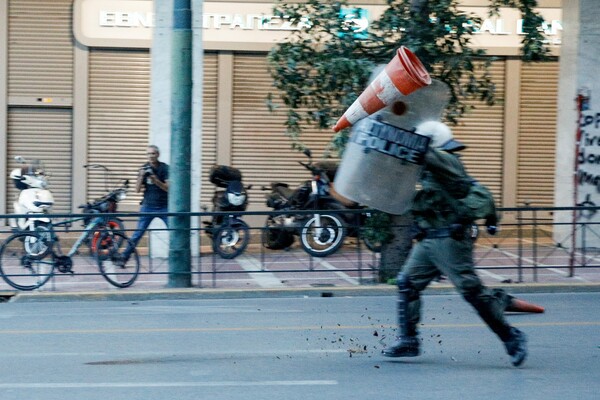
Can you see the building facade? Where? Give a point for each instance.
(78, 86)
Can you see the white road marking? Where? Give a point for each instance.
(91, 385)
(539, 265)
(156, 354)
(491, 274)
(341, 274)
(263, 279)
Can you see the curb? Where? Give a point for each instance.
(202, 293)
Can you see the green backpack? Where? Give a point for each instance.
(480, 204)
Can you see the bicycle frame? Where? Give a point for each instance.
(91, 227)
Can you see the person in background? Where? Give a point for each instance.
(153, 178)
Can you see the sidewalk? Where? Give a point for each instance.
(242, 278)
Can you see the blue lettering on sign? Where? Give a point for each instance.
(396, 142)
(355, 21)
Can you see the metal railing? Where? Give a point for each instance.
(567, 244)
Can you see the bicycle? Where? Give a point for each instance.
(29, 259)
(115, 191)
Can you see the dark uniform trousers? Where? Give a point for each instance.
(454, 259)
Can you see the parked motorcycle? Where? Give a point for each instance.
(105, 204)
(229, 233)
(34, 198)
(321, 234)
(319, 193)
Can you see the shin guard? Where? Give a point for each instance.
(402, 304)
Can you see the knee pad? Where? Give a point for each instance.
(402, 281)
(406, 286)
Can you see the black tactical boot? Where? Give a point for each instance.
(403, 347)
(516, 347)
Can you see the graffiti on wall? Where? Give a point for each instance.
(588, 157)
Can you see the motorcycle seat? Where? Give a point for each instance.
(43, 203)
(284, 191)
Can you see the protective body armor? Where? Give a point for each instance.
(448, 199)
(443, 184)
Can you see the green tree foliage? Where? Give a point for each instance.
(322, 68)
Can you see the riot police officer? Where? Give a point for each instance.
(444, 245)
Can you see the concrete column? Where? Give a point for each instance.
(511, 136)
(225, 108)
(160, 116)
(160, 108)
(160, 76)
(578, 182)
(80, 125)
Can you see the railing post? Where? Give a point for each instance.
(263, 231)
(150, 265)
(573, 243)
(535, 245)
(583, 247)
(520, 245)
(214, 270)
(357, 218)
(200, 231)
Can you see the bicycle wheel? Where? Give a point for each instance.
(113, 267)
(24, 261)
(115, 225)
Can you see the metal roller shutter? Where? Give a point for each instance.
(119, 112)
(118, 120)
(40, 86)
(209, 124)
(482, 130)
(260, 148)
(40, 49)
(51, 144)
(537, 134)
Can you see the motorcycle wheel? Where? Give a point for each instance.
(374, 246)
(229, 241)
(42, 248)
(323, 240)
(274, 237)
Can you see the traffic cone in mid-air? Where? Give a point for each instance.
(401, 76)
(518, 305)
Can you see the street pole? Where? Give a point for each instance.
(181, 144)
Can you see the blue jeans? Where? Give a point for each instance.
(142, 226)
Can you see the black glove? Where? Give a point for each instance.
(491, 224)
(417, 232)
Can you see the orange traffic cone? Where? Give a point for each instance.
(518, 305)
(401, 76)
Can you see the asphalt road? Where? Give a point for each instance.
(291, 348)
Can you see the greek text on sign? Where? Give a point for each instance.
(396, 142)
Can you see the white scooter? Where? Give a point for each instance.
(34, 197)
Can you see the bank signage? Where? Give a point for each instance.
(129, 23)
